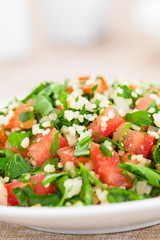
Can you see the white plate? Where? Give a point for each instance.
(106, 218)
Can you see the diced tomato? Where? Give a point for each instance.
(118, 131)
(125, 158)
(102, 85)
(84, 78)
(14, 121)
(112, 124)
(66, 155)
(107, 168)
(143, 103)
(3, 139)
(38, 188)
(40, 151)
(132, 86)
(15, 150)
(137, 142)
(70, 89)
(156, 89)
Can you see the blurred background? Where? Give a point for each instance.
(57, 39)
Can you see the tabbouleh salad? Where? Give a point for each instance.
(86, 144)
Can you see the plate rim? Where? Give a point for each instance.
(75, 211)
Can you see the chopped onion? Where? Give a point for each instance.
(154, 129)
(143, 187)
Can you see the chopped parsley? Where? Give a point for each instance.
(139, 118)
(83, 147)
(25, 116)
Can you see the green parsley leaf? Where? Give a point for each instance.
(51, 161)
(25, 178)
(60, 121)
(94, 88)
(144, 173)
(153, 105)
(156, 153)
(42, 105)
(86, 188)
(28, 190)
(21, 196)
(91, 177)
(8, 153)
(55, 144)
(63, 99)
(16, 138)
(51, 200)
(139, 118)
(14, 166)
(96, 134)
(77, 99)
(121, 195)
(83, 111)
(83, 147)
(126, 92)
(52, 177)
(103, 139)
(53, 88)
(60, 182)
(35, 182)
(105, 151)
(25, 116)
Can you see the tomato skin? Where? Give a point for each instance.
(118, 131)
(124, 158)
(15, 150)
(38, 189)
(14, 121)
(83, 79)
(107, 168)
(40, 151)
(3, 139)
(102, 85)
(137, 142)
(66, 155)
(70, 89)
(144, 103)
(112, 124)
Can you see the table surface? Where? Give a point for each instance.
(124, 53)
(8, 231)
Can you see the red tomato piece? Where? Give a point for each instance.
(107, 168)
(84, 78)
(70, 89)
(124, 158)
(137, 142)
(3, 139)
(66, 155)
(38, 188)
(15, 150)
(143, 103)
(118, 131)
(102, 85)
(14, 121)
(112, 124)
(156, 89)
(40, 151)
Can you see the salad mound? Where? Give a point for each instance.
(80, 145)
